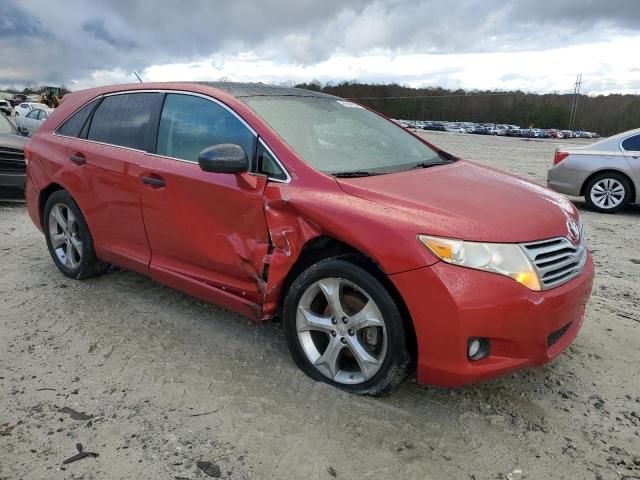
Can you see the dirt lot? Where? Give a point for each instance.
(169, 381)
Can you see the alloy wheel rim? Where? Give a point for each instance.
(341, 331)
(65, 236)
(608, 193)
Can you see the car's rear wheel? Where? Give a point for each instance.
(68, 238)
(608, 192)
(344, 328)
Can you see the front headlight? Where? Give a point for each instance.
(502, 258)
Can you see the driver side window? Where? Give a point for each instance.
(189, 124)
(33, 114)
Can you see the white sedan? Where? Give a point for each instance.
(30, 122)
(25, 107)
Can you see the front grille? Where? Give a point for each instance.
(557, 260)
(557, 335)
(12, 159)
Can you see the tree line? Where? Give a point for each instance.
(605, 114)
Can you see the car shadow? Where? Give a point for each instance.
(631, 210)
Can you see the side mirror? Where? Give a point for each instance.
(23, 131)
(224, 158)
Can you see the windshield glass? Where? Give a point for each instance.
(5, 125)
(337, 136)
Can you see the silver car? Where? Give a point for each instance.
(605, 173)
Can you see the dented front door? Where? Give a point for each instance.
(209, 227)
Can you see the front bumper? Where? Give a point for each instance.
(450, 304)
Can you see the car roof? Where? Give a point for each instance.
(612, 143)
(236, 90)
(244, 90)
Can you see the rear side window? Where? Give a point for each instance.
(123, 119)
(190, 124)
(73, 125)
(632, 143)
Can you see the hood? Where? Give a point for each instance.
(470, 202)
(8, 140)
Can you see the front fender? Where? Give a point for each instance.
(297, 215)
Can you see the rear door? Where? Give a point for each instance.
(205, 229)
(107, 157)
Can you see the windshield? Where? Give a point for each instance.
(336, 136)
(5, 125)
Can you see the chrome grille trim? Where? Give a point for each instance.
(556, 260)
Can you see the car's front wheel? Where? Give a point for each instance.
(608, 192)
(344, 328)
(68, 238)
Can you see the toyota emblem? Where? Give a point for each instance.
(574, 231)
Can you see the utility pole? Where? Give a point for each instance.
(574, 104)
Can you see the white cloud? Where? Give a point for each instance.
(606, 68)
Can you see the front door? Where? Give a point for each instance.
(206, 230)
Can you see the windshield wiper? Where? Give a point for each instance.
(353, 174)
(431, 164)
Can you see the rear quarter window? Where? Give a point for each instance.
(73, 125)
(632, 143)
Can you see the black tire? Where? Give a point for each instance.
(396, 361)
(89, 265)
(618, 177)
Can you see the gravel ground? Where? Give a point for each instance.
(155, 381)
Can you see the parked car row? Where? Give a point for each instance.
(494, 129)
(18, 98)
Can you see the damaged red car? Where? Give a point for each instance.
(380, 252)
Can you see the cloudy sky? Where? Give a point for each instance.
(486, 44)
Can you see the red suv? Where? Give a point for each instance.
(378, 250)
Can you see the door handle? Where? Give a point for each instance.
(78, 158)
(153, 181)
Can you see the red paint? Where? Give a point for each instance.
(216, 236)
(449, 304)
(559, 156)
